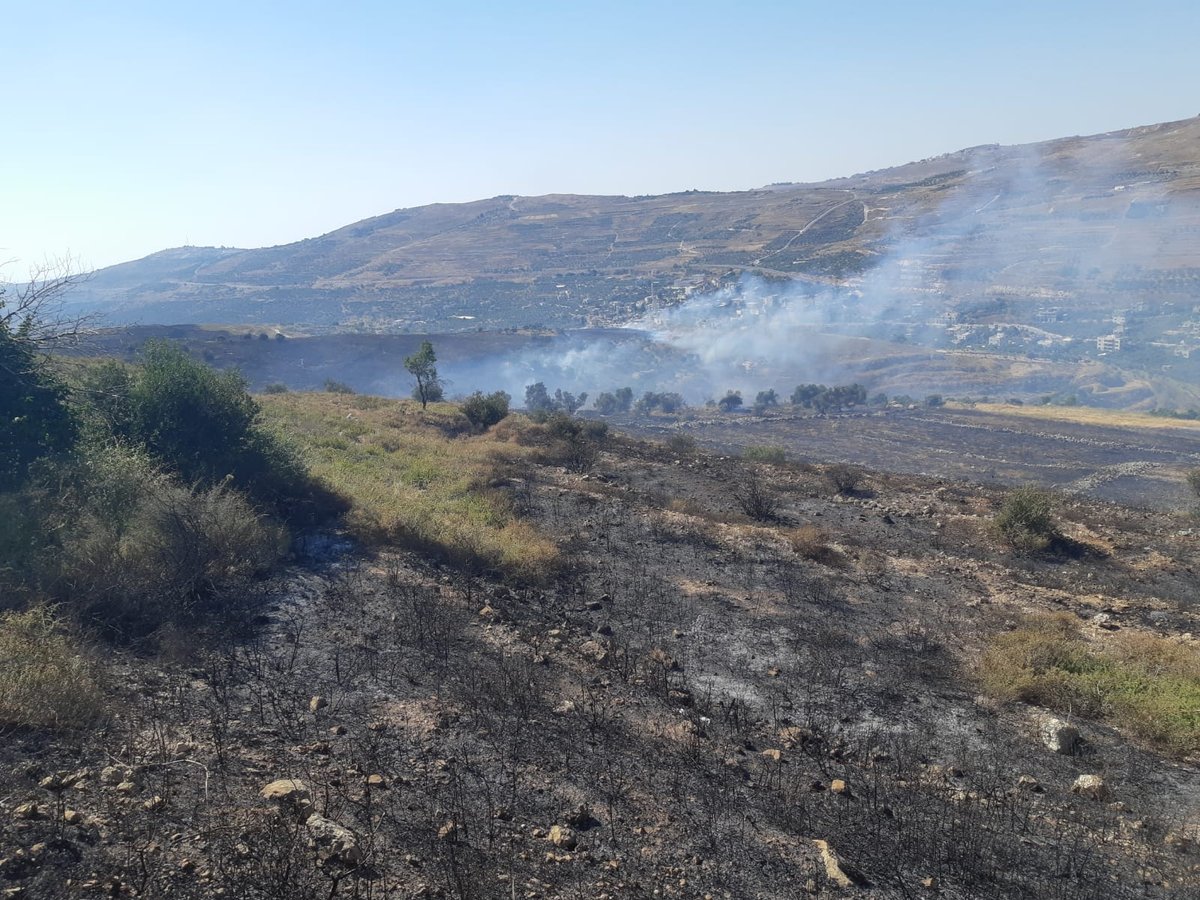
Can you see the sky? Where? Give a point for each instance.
(131, 127)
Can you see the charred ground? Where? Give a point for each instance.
(678, 702)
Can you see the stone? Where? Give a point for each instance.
(289, 793)
(1057, 735)
(838, 786)
(153, 804)
(772, 755)
(112, 775)
(333, 841)
(594, 651)
(127, 787)
(562, 836)
(317, 703)
(1028, 783)
(72, 817)
(835, 870)
(450, 832)
(377, 781)
(1090, 786)
(29, 810)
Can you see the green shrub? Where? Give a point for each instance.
(1026, 519)
(484, 411)
(46, 681)
(276, 387)
(33, 410)
(770, 454)
(338, 387)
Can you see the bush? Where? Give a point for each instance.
(276, 387)
(36, 420)
(135, 549)
(845, 478)
(731, 401)
(484, 411)
(46, 681)
(811, 543)
(338, 387)
(756, 500)
(768, 454)
(1193, 482)
(663, 402)
(1026, 519)
(682, 444)
(1144, 683)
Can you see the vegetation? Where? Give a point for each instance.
(1026, 519)
(484, 411)
(46, 680)
(539, 403)
(610, 403)
(825, 399)
(667, 402)
(770, 454)
(1145, 684)
(731, 401)
(845, 478)
(765, 399)
(410, 484)
(422, 366)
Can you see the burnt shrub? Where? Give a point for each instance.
(756, 499)
(845, 478)
(46, 679)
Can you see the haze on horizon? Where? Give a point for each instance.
(136, 127)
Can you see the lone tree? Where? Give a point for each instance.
(422, 365)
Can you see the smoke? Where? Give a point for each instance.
(1017, 251)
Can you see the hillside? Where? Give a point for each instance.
(549, 663)
(1091, 224)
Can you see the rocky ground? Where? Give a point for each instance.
(701, 705)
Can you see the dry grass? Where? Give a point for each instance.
(1147, 685)
(416, 478)
(1088, 415)
(46, 681)
(811, 543)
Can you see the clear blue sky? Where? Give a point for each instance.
(136, 126)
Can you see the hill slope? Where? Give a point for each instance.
(1076, 219)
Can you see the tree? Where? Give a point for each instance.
(731, 401)
(764, 399)
(422, 365)
(34, 416)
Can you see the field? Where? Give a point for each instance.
(1121, 457)
(732, 670)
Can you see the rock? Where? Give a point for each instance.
(338, 730)
(112, 775)
(377, 781)
(72, 817)
(1028, 783)
(290, 794)
(838, 786)
(127, 787)
(153, 804)
(488, 613)
(450, 832)
(333, 841)
(1091, 786)
(317, 703)
(29, 810)
(562, 836)
(772, 755)
(594, 651)
(1057, 735)
(930, 883)
(836, 871)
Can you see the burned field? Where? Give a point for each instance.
(691, 702)
(1136, 466)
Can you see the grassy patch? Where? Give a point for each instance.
(415, 478)
(45, 680)
(1147, 685)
